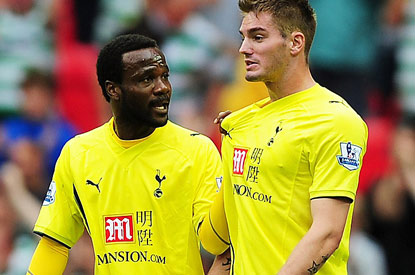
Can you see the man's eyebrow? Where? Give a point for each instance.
(143, 71)
(148, 70)
(256, 29)
(253, 30)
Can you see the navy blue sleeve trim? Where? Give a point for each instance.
(81, 208)
(220, 238)
(45, 235)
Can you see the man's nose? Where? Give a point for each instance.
(245, 47)
(161, 86)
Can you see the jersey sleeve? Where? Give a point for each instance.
(214, 232)
(336, 154)
(50, 257)
(59, 218)
(210, 169)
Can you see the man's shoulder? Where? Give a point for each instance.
(331, 115)
(185, 140)
(184, 135)
(86, 141)
(241, 115)
(329, 104)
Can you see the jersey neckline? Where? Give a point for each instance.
(128, 143)
(266, 103)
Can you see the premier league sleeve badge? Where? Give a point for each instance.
(350, 156)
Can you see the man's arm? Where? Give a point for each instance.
(213, 232)
(222, 264)
(50, 258)
(323, 238)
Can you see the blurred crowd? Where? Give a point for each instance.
(363, 50)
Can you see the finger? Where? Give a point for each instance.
(224, 114)
(221, 116)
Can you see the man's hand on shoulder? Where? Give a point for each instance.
(220, 117)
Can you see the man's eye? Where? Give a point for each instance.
(166, 75)
(147, 80)
(258, 37)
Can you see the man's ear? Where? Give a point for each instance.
(297, 43)
(113, 90)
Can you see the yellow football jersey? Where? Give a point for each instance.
(279, 155)
(141, 201)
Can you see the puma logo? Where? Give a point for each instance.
(337, 101)
(88, 182)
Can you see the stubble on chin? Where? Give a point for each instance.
(252, 78)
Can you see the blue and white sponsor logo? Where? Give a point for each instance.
(350, 156)
(50, 195)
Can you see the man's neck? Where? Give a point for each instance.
(130, 131)
(295, 79)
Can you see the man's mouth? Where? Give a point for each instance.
(249, 64)
(161, 104)
(162, 107)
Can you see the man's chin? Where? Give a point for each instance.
(160, 122)
(252, 78)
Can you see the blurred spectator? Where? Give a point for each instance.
(406, 55)
(391, 203)
(226, 16)
(16, 247)
(86, 13)
(81, 257)
(367, 257)
(344, 48)
(22, 187)
(24, 42)
(377, 160)
(38, 121)
(383, 101)
(24, 182)
(115, 16)
(78, 94)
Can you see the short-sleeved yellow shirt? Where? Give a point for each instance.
(141, 201)
(279, 155)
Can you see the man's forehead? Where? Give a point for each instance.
(256, 21)
(144, 57)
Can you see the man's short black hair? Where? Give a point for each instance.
(109, 63)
